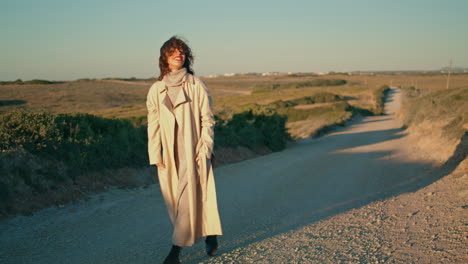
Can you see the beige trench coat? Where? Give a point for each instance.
(193, 112)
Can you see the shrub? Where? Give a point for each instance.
(294, 85)
(322, 97)
(40, 152)
(37, 81)
(321, 82)
(379, 98)
(82, 141)
(252, 130)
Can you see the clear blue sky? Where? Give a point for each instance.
(67, 40)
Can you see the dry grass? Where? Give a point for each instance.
(310, 106)
(109, 95)
(76, 96)
(437, 118)
(85, 96)
(319, 123)
(122, 99)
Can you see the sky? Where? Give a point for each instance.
(68, 40)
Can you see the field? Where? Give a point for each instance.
(67, 151)
(112, 95)
(309, 110)
(126, 99)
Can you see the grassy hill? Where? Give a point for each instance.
(437, 120)
(64, 142)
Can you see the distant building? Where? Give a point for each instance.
(270, 73)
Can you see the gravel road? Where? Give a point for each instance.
(357, 195)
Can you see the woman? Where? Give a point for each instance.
(180, 144)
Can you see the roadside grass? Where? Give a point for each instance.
(318, 123)
(379, 99)
(447, 109)
(229, 103)
(310, 115)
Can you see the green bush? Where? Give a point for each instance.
(321, 82)
(37, 81)
(379, 98)
(252, 130)
(286, 108)
(318, 98)
(82, 141)
(40, 152)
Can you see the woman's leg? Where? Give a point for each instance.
(173, 257)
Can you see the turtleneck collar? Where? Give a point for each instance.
(176, 78)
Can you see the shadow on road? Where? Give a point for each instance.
(378, 120)
(318, 185)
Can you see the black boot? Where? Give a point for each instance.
(173, 257)
(211, 245)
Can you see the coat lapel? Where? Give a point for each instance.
(181, 98)
(165, 98)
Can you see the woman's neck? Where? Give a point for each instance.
(173, 71)
(175, 78)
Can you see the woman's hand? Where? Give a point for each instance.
(160, 165)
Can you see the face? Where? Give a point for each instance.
(176, 60)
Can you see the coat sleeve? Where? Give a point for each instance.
(154, 134)
(206, 143)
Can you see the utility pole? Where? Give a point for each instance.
(448, 76)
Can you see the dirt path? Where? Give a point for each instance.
(358, 195)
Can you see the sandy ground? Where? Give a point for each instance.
(358, 195)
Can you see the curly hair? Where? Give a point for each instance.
(173, 44)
